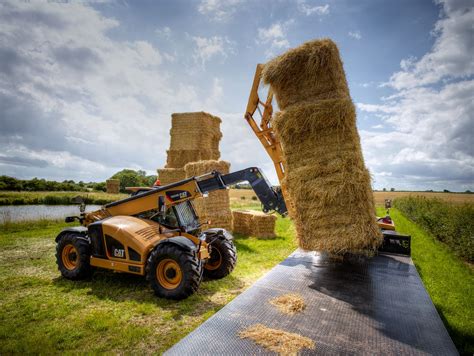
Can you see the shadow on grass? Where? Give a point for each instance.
(121, 287)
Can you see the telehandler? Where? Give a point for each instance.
(156, 233)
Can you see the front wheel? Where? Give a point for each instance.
(222, 260)
(173, 272)
(73, 257)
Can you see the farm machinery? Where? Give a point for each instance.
(156, 233)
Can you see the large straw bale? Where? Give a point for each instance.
(310, 72)
(170, 175)
(326, 178)
(196, 130)
(216, 207)
(179, 158)
(254, 223)
(112, 186)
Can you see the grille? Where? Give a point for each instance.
(149, 232)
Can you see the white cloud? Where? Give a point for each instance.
(219, 10)
(164, 32)
(310, 10)
(274, 36)
(208, 47)
(431, 110)
(355, 35)
(82, 93)
(451, 55)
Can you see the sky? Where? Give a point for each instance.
(87, 88)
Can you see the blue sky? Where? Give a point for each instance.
(87, 88)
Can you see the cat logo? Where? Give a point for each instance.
(119, 253)
(176, 195)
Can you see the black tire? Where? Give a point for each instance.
(223, 259)
(165, 259)
(73, 257)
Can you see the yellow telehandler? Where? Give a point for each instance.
(156, 233)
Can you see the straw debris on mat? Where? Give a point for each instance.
(170, 175)
(282, 342)
(290, 303)
(216, 207)
(254, 223)
(326, 179)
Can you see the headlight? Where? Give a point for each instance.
(202, 237)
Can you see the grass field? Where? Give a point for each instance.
(40, 312)
(55, 198)
(448, 280)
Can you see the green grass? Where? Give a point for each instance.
(56, 198)
(448, 280)
(40, 312)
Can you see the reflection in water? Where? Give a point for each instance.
(11, 213)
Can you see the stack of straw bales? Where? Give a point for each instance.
(327, 181)
(112, 186)
(216, 207)
(195, 136)
(254, 223)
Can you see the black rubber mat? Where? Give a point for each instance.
(374, 307)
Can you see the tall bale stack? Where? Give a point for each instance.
(254, 223)
(194, 137)
(326, 178)
(216, 207)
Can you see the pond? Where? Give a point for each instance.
(36, 212)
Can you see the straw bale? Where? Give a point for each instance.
(113, 186)
(282, 342)
(254, 223)
(197, 130)
(290, 303)
(326, 179)
(179, 158)
(171, 175)
(216, 207)
(312, 71)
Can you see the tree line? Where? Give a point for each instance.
(127, 178)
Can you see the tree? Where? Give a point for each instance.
(384, 189)
(131, 178)
(392, 189)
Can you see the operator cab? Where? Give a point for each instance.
(181, 216)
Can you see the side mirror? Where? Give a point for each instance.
(388, 203)
(161, 204)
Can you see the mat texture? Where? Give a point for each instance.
(374, 307)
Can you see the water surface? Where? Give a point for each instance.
(37, 212)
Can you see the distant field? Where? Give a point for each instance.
(55, 198)
(451, 197)
(237, 194)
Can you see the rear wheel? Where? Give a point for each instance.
(173, 272)
(73, 256)
(222, 260)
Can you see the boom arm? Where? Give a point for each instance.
(191, 188)
(264, 131)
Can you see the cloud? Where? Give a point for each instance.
(431, 113)
(164, 32)
(77, 98)
(219, 10)
(310, 10)
(451, 55)
(274, 36)
(355, 35)
(208, 47)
